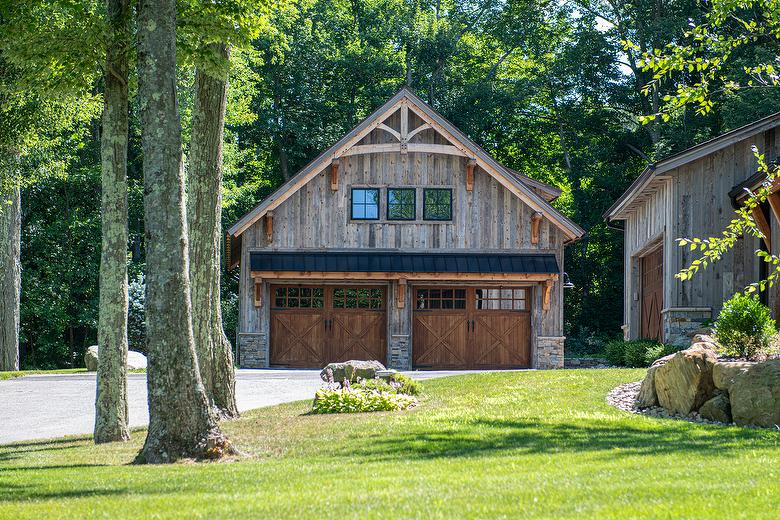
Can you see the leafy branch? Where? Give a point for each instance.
(713, 248)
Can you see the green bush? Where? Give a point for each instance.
(615, 352)
(379, 385)
(405, 384)
(630, 353)
(397, 384)
(357, 400)
(658, 351)
(744, 327)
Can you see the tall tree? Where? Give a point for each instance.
(181, 422)
(111, 419)
(10, 232)
(204, 190)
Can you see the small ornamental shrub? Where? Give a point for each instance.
(744, 327)
(356, 400)
(630, 353)
(405, 384)
(379, 385)
(615, 352)
(658, 351)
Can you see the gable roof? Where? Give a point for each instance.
(655, 170)
(522, 186)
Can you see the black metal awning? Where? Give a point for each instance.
(402, 262)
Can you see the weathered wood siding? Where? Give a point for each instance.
(694, 202)
(490, 218)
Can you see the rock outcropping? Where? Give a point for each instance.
(351, 371)
(684, 383)
(135, 360)
(694, 380)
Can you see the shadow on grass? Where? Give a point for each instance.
(16, 493)
(494, 437)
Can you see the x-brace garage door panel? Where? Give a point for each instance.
(312, 326)
(471, 327)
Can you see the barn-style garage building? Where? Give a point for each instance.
(407, 243)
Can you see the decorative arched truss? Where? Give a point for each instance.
(404, 137)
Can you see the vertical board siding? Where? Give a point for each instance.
(490, 218)
(695, 203)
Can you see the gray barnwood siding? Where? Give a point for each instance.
(694, 202)
(490, 218)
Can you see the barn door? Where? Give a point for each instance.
(652, 294)
(471, 327)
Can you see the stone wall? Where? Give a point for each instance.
(549, 352)
(680, 322)
(252, 350)
(400, 355)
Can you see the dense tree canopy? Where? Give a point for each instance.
(551, 89)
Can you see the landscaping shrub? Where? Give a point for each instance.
(378, 385)
(615, 352)
(405, 384)
(356, 400)
(744, 327)
(658, 351)
(630, 353)
(397, 384)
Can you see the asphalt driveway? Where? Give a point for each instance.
(45, 406)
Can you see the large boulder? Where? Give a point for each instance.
(135, 360)
(755, 395)
(351, 371)
(647, 396)
(91, 358)
(724, 373)
(717, 409)
(684, 383)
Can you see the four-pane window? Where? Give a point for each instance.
(437, 204)
(401, 204)
(365, 203)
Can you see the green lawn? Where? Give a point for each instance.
(515, 444)
(20, 373)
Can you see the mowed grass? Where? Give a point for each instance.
(512, 444)
(19, 373)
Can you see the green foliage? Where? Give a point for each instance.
(356, 400)
(632, 353)
(744, 327)
(136, 314)
(376, 385)
(397, 383)
(405, 384)
(658, 351)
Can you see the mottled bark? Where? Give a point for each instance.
(181, 422)
(10, 272)
(111, 419)
(204, 205)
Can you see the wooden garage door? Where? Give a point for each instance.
(312, 326)
(471, 327)
(652, 290)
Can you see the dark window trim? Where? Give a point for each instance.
(414, 203)
(352, 203)
(425, 208)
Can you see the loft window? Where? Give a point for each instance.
(437, 204)
(365, 203)
(401, 204)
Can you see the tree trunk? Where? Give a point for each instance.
(204, 205)
(10, 271)
(111, 420)
(181, 422)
